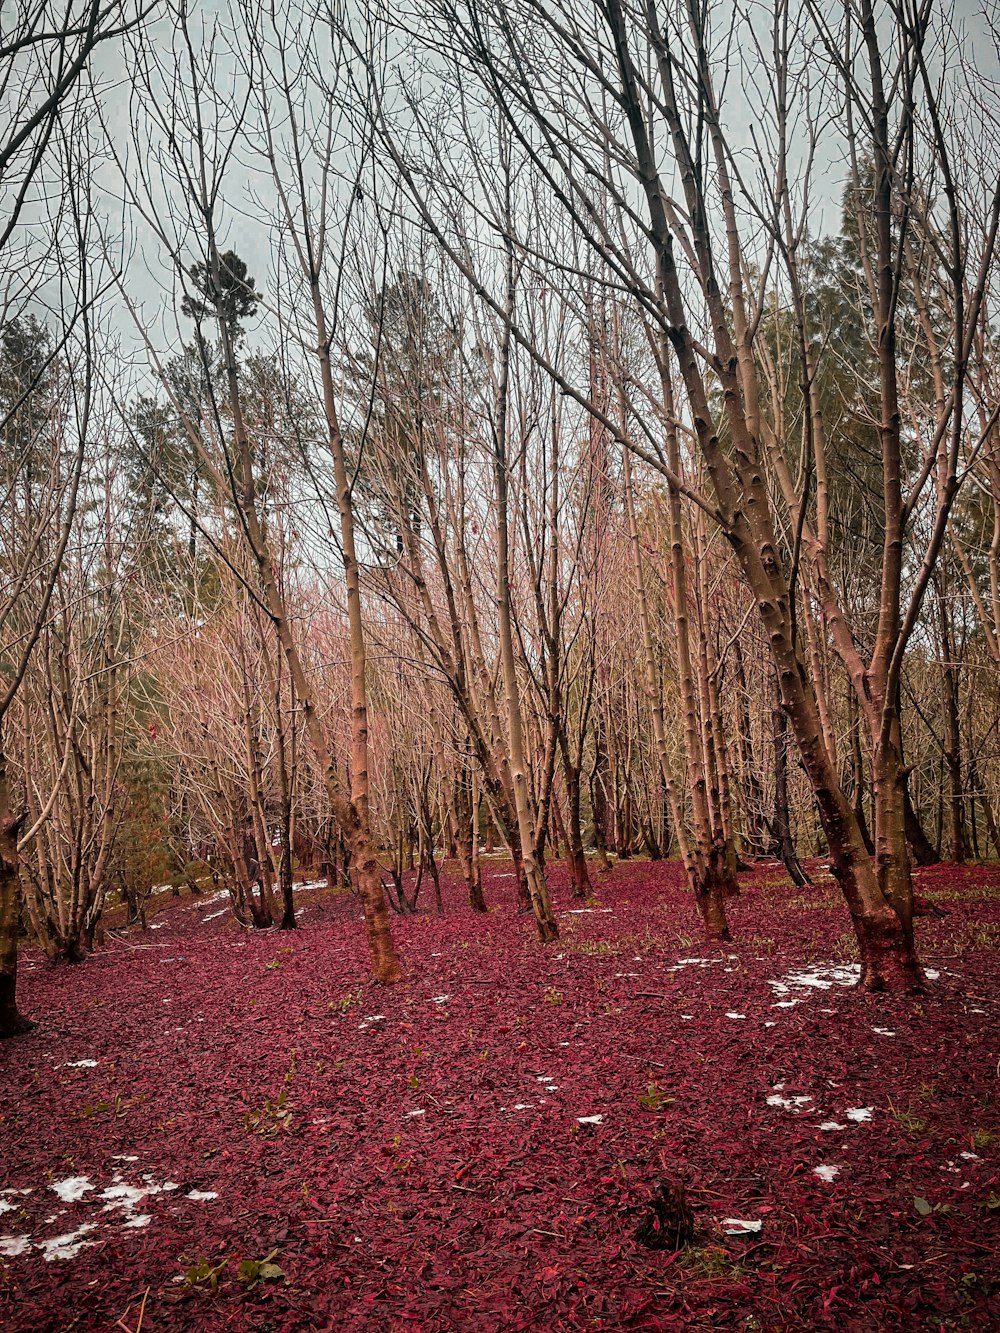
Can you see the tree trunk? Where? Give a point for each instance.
(12, 1022)
(781, 829)
(952, 731)
(582, 887)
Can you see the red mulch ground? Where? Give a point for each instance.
(399, 1186)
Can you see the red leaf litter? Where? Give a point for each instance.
(476, 1147)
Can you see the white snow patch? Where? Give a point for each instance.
(72, 1188)
(732, 1014)
(124, 1157)
(523, 1106)
(6, 1207)
(207, 902)
(136, 1222)
(411, 1114)
(738, 1226)
(440, 999)
(827, 1173)
(122, 1196)
(78, 1064)
(832, 1124)
(12, 1246)
(822, 977)
(788, 1103)
(590, 1120)
(786, 1004)
(372, 1018)
(586, 911)
(157, 925)
(68, 1245)
(970, 1156)
(212, 916)
(859, 1113)
(884, 1032)
(931, 974)
(201, 1196)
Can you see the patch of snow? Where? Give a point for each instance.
(212, 916)
(884, 1032)
(6, 1207)
(931, 974)
(738, 1226)
(137, 1222)
(440, 999)
(65, 1247)
(201, 1196)
(832, 1124)
(732, 1014)
(124, 1157)
(523, 1106)
(789, 1103)
(827, 1173)
(786, 1004)
(157, 925)
(586, 911)
(590, 1120)
(12, 1246)
(208, 902)
(367, 1022)
(970, 1156)
(122, 1196)
(626, 974)
(72, 1188)
(78, 1064)
(419, 1111)
(822, 977)
(770, 1024)
(859, 1113)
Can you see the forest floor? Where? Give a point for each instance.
(217, 1129)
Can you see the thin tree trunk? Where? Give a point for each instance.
(781, 825)
(12, 1022)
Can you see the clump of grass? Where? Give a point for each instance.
(977, 935)
(594, 948)
(808, 902)
(847, 945)
(711, 1263)
(907, 1119)
(989, 892)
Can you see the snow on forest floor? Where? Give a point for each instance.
(233, 1127)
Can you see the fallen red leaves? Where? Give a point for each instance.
(477, 1146)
